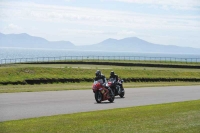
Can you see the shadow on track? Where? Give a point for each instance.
(106, 102)
(119, 97)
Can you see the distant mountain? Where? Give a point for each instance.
(26, 41)
(138, 45)
(133, 44)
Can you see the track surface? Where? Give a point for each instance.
(14, 106)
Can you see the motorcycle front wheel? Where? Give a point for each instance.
(98, 96)
(122, 94)
(112, 96)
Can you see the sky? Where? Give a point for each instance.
(86, 22)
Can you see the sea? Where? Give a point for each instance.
(22, 53)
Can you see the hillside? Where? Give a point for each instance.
(133, 44)
(26, 41)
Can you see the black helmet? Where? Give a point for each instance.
(98, 73)
(112, 73)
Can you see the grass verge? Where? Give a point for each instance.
(179, 117)
(83, 86)
(20, 74)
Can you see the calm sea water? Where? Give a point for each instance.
(13, 53)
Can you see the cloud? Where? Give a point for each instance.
(13, 27)
(177, 4)
(103, 19)
(96, 17)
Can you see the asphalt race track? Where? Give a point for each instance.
(14, 106)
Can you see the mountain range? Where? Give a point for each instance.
(133, 44)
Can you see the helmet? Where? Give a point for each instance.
(98, 73)
(112, 73)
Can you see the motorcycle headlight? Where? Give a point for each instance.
(106, 84)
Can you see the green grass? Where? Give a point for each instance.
(83, 86)
(179, 117)
(20, 73)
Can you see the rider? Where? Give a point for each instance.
(99, 76)
(115, 76)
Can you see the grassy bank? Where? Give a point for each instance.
(22, 73)
(179, 117)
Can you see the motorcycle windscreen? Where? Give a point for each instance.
(100, 81)
(112, 79)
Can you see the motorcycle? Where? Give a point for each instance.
(116, 87)
(101, 93)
